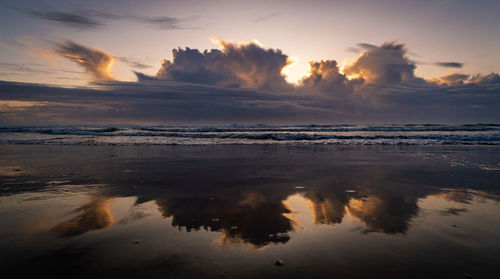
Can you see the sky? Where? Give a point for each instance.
(188, 61)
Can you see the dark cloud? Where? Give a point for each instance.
(78, 20)
(158, 101)
(366, 46)
(95, 62)
(163, 22)
(386, 64)
(167, 22)
(93, 19)
(143, 77)
(449, 64)
(236, 65)
(492, 78)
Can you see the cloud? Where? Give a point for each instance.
(385, 64)
(360, 47)
(451, 79)
(266, 16)
(461, 79)
(163, 22)
(133, 63)
(28, 68)
(78, 20)
(167, 22)
(324, 76)
(492, 78)
(93, 19)
(159, 102)
(96, 62)
(449, 64)
(243, 83)
(367, 46)
(246, 65)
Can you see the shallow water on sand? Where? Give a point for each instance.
(250, 211)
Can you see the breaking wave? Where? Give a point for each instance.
(255, 134)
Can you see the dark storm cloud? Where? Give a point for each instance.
(449, 64)
(236, 65)
(96, 62)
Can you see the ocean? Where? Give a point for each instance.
(341, 134)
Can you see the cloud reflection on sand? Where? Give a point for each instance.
(95, 215)
(255, 219)
(251, 217)
(256, 195)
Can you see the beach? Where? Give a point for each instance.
(246, 211)
(250, 139)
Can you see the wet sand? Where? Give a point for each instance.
(235, 211)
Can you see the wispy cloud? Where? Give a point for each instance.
(136, 64)
(96, 62)
(163, 22)
(92, 19)
(266, 16)
(360, 47)
(78, 20)
(33, 68)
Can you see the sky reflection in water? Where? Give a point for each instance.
(231, 210)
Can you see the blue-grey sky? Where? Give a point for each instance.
(364, 53)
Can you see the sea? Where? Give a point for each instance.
(338, 134)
